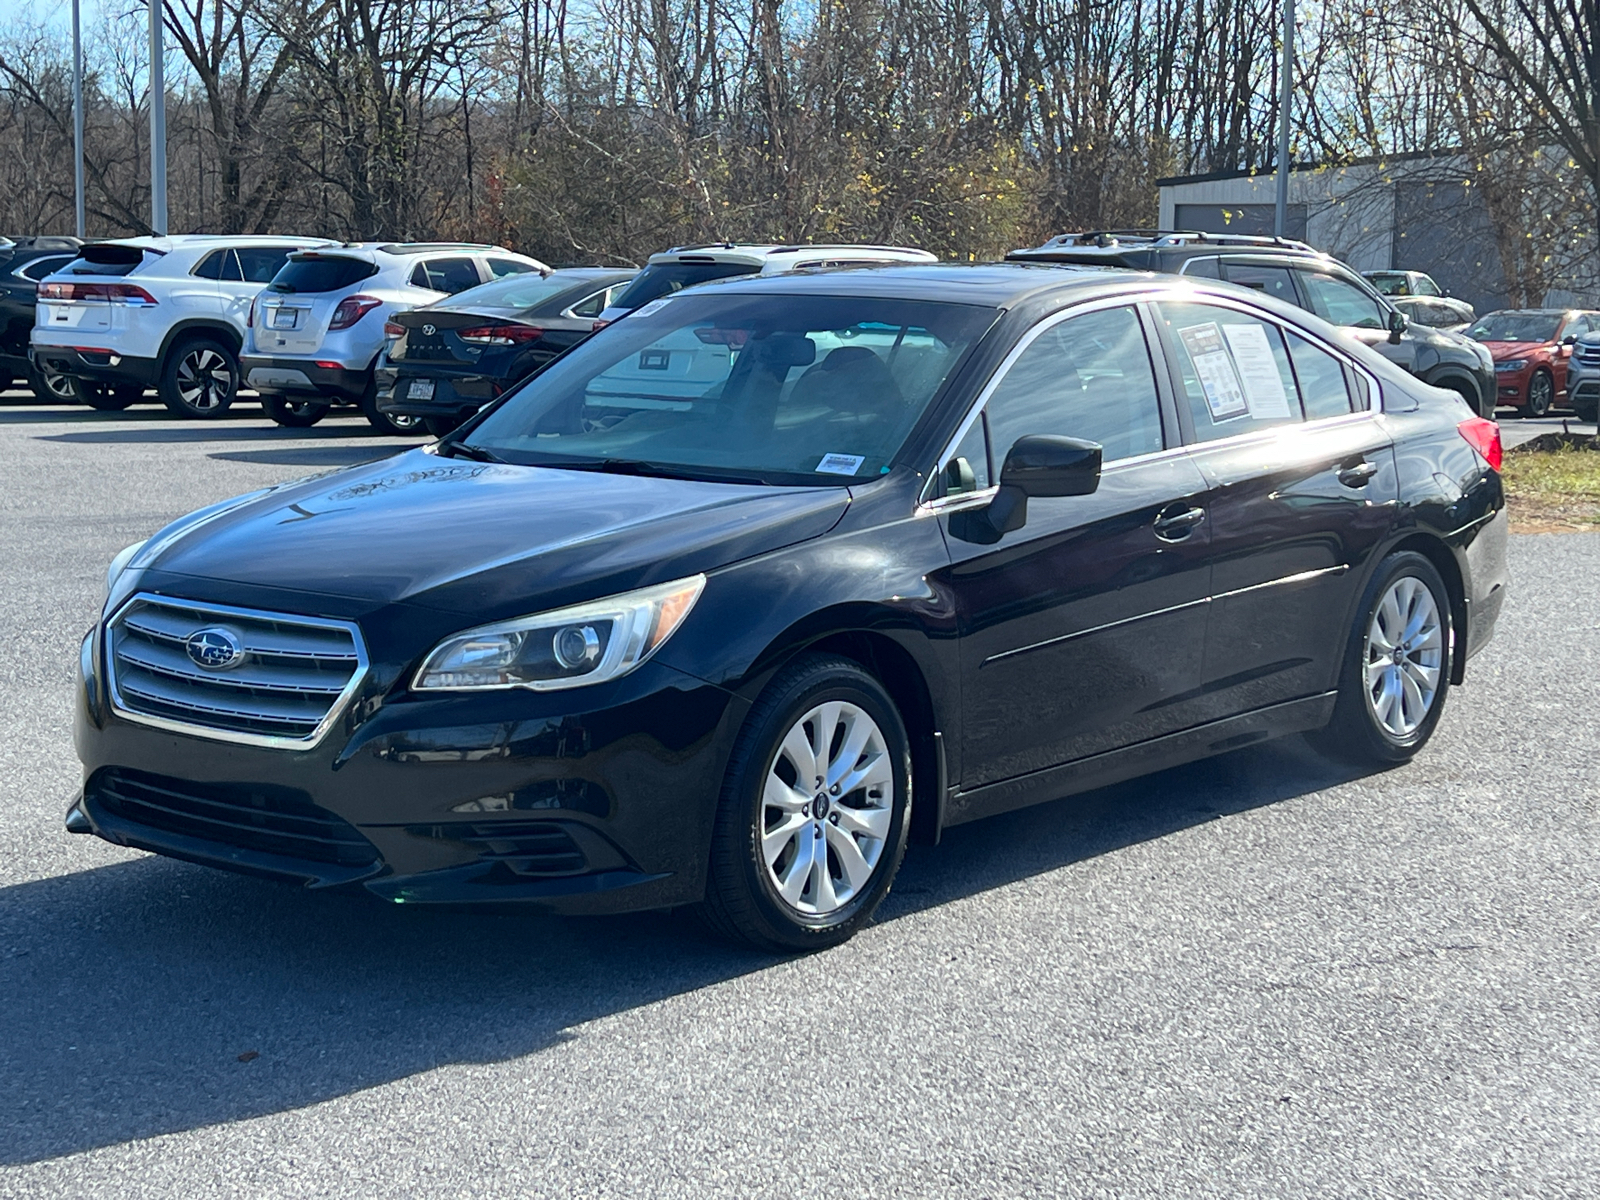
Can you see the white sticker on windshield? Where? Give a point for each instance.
(1258, 371)
(654, 306)
(840, 464)
(1214, 367)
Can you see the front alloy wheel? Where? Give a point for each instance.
(812, 822)
(1541, 394)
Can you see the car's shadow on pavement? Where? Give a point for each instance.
(153, 996)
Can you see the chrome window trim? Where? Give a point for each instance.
(269, 741)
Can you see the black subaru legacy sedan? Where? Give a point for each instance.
(897, 550)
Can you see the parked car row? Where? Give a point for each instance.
(422, 335)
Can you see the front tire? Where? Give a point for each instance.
(104, 397)
(1541, 395)
(294, 414)
(199, 378)
(812, 822)
(1396, 672)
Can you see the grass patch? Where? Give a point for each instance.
(1553, 488)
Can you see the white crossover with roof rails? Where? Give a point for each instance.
(317, 329)
(162, 312)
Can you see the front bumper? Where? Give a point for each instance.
(585, 801)
(304, 377)
(1511, 388)
(102, 365)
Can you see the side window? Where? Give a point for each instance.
(230, 268)
(260, 263)
(450, 275)
(591, 306)
(1324, 389)
(1274, 281)
(1202, 268)
(1342, 303)
(39, 268)
(210, 267)
(1426, 286)
(1089, 377)
(499, 268)
(1232, 369)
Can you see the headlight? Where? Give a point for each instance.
(120, 564)
(1516, 364)
(566, 648)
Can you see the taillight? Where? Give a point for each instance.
(116, 293)
(351, 309)
(499, 335)
(393, 329)
(598, 325)
(1484, 437)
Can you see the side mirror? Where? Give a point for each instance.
(1037, 465)
(1398, 324)
(1570, 340)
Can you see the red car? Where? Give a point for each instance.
(1531, 347)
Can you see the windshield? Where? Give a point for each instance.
(663, 279)
(321, 273)
(1390, 283)
(1516, 327)
(516, 291)
(764, 388)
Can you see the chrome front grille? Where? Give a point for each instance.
(289, 679)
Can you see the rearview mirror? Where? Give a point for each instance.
(1398, 324)
(1038, 465)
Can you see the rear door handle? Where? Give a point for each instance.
(1175, 526)
(1356, 476)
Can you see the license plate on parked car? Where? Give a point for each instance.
(283, 318)
(420, 389)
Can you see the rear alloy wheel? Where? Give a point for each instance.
(105, 397)
(295, 414)
(199, 379)
(1541, 394)
(52, 387)
(812, 822)
(1396, 671)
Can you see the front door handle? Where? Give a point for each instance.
(1173, 524)
(1356, 476)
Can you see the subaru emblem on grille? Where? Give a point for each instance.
(215, 648)
(429, 330)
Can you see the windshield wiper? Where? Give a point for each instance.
(463, 450)
(655, 470)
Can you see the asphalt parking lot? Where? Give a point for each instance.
(1256, 976)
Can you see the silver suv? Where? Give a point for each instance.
(316, 331)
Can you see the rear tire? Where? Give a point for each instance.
(199, 378)
(1396, 671)
(294, 414)
(105, 397)
(439, 426)
(393, 424)
(52, 387)
(797, 864)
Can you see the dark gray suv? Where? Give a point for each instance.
(1297, 274)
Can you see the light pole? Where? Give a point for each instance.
(77, 120)
(1280, 216)
(158, 124)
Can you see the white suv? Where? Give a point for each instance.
(684, 266)
(316, 330)
(162, 312)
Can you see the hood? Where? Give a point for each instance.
(485, 539)
(1507, 350)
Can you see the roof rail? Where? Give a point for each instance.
(1171, 237)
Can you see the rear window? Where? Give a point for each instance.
(516, 291)
(321, 273)
(107, 260)
(663, 279)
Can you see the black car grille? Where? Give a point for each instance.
(294, 673)
(526, 847)
(1588, 355)
(270, 820)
